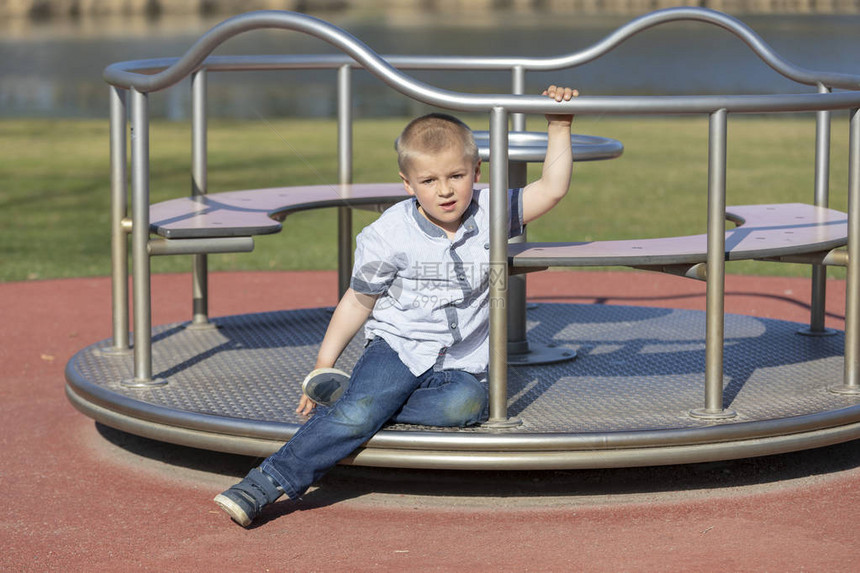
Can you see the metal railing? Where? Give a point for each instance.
(506, 111)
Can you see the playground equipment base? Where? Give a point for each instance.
(632, 396)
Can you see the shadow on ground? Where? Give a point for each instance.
(479, 487)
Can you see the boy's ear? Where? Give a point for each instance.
(406, 184)
(478, 171)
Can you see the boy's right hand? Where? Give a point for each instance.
(306, 406)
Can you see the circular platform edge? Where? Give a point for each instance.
(482, 439)
(484, 460)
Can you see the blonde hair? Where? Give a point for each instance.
(434, 133)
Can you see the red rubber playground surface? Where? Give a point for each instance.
(81, 497)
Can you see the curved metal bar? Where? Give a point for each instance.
(733, 25)
(759, 47)
(496, 458)
(197, 53)
(115, 407)
(386, 71)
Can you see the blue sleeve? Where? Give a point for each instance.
(515, 208)
(515, 202)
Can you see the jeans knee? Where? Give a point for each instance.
(469, 407)
(356, 415)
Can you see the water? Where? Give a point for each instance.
(54, 69)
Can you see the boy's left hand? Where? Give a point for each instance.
(559, 93)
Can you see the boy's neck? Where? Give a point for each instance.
(451, 234)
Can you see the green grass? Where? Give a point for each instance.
(54, 198)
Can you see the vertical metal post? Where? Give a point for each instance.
(119, 211)
(716, 265)
(499, 217)
(518, 86)
(199, 186)
(851, 383)
(344, 164)
(822, 199)
(139, 239)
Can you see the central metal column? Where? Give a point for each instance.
(521, 352)
(716, 273)
(518, 344)
(817, 305)
(199, 186)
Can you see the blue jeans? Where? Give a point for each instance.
(381, 388)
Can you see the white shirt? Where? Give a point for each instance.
(434, 304)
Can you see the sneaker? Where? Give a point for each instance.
(244, 501)
(325, 385)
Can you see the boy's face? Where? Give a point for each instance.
(442, 183)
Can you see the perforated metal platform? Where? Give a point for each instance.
(624, 400)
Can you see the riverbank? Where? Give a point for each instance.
(45, 9)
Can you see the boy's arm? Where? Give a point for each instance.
(349, 316)
(542, 195)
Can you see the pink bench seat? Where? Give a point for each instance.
(259, 211)
(763, 231)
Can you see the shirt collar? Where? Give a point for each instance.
(423, 223)
(468, 224)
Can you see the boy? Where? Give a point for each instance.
(420, 287)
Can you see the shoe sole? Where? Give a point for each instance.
(320, 372)
(232, 509)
